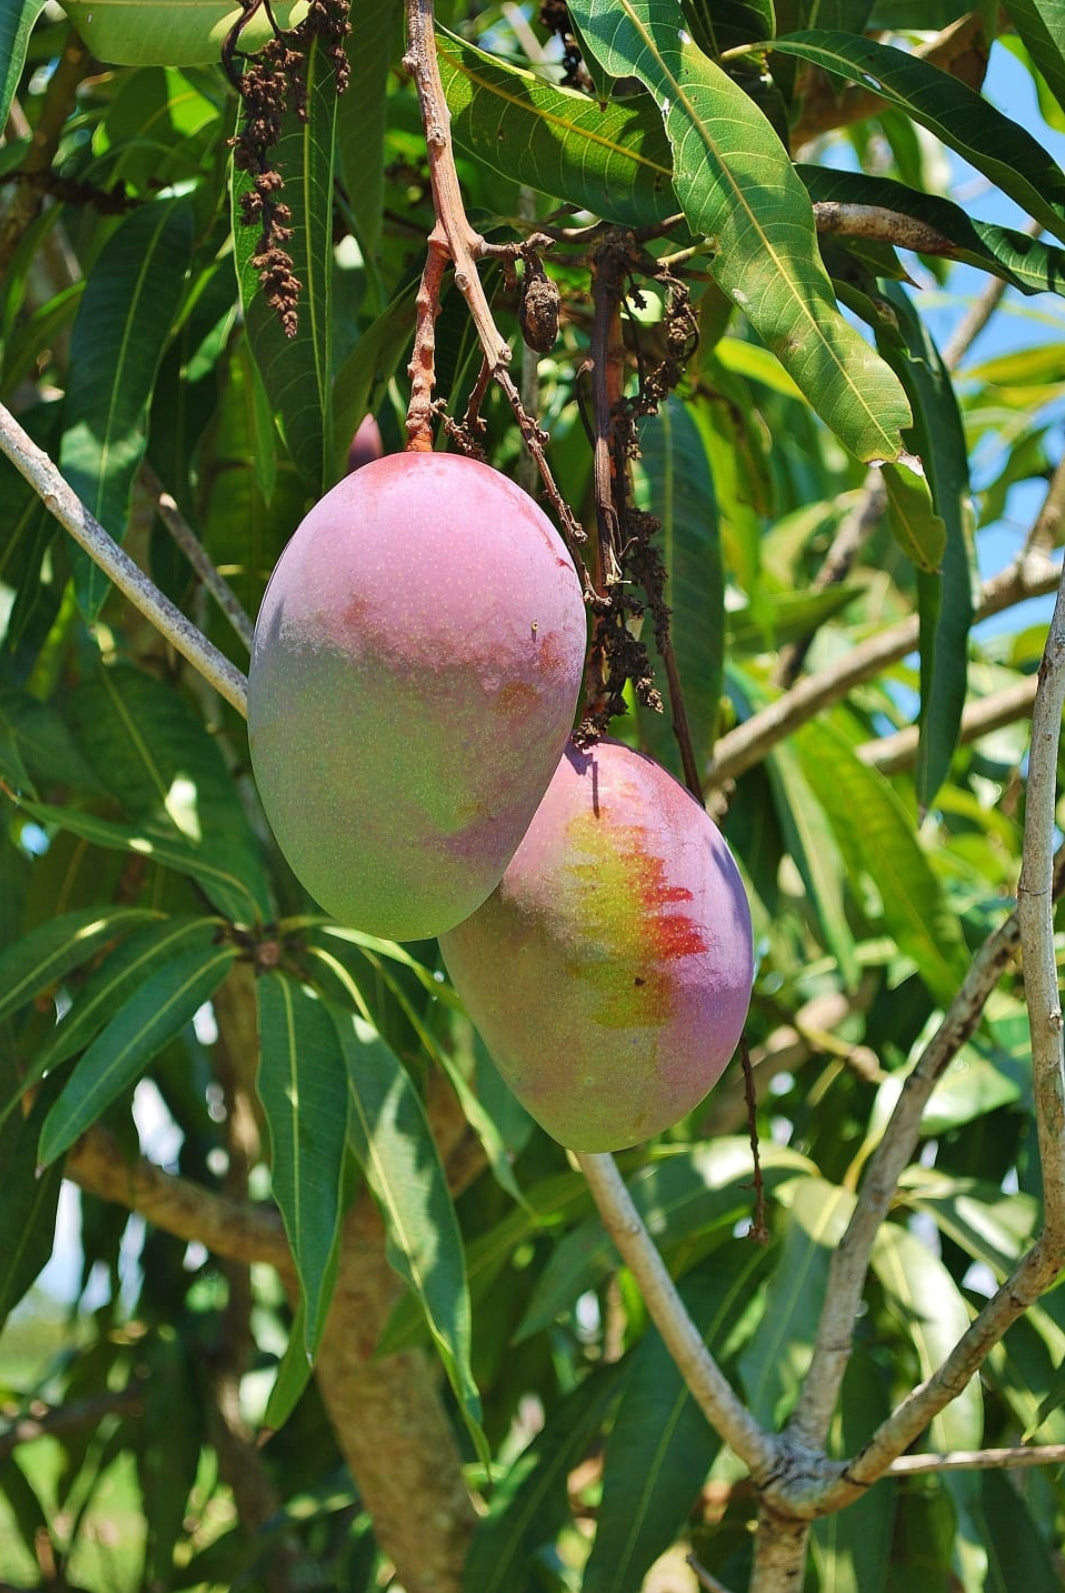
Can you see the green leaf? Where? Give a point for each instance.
(612, 159)
(27, 1205)
(161, 33)
(1018, 1553)
(877, 836)
(530, 1503)
(362, 116)
(660, 1446)
(777, 1358)
(370, 367)
(989, 1226)
(918, 530)
(35, 744)
(293, 1375)
(48, 952)
(1041, 25)
(696, 1191)
(852, 1548)
(933, 1316)
(152, 751)
(296, 370)
(123, 323)
(680, 492)
(303, 1091)
(16, 24)
(390, 1134)
(109, 986)
(945, 600)
(738, 188)
(810, 839)
(1023, 262)
(223, 888)
(967, 123)
(154, 1015)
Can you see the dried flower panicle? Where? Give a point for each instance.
(268, 83)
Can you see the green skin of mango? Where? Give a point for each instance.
(414, 677)
(610, 972)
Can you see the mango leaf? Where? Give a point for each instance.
(852, 1548)
(695, 1191)
(933, 1316)
(945, 599)
(988, 1225)
(967, 123)
(173, 1405)
(35, 744)
(370, 367)
(530, 1503)
(876, 835)
(813, 845)
(738, 188)
(123, 323)
(295, 367)
(27, 1204)
(16, 24)
(302, 1088)
(161, 33)
(680, 492)
(725, 26)
(1019, 1555)
(777, 1358)
(1041, 25)
(612, 159)
(42, 957)
(784, 617)
(109, 986)
(390, 1134)
(660, 1446)
(917, 528)
(362, 115)
(293, 1375)
(154, 1015)
(1023, 262)
(223, 888)
(152, 751)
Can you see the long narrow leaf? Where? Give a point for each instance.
(122, 326)
(738, 187)
(16, 24)
(158, 1011)
(967, 123)
(42, 957)
(302, 1087)
(391, 1137)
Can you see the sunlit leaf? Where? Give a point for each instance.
(16, 24)
(155, 33)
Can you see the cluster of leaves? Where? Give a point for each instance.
(142, 903)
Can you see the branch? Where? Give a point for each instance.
(34, 465)
(166, 508)
(890, 754)
(886, 226)
(978, 1460)
(709, 1387)
(229, 1228)
(58, 1419)
(1032, 574)
(850, 1260)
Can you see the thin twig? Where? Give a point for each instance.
(885, 226)
(55, 1420)
(709, 1387)
(978, 1460)
(58, 102)
(186, 539)
(1032, 574)
(35, 466)
(890, 754)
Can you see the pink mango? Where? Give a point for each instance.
(610, 972)
(415, 673)
(366, 445)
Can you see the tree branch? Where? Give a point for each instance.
(166, 508)
(58, 102)
(1032, 574)
(890, 754)
(886, 226)
(34, 465)
(978, 1460)
(709, 1387)
(229, 1228)
(58, 1419)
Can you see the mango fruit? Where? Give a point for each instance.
(610, 972)
(366, 445)
(414, 676)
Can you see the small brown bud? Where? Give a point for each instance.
(538, 308)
